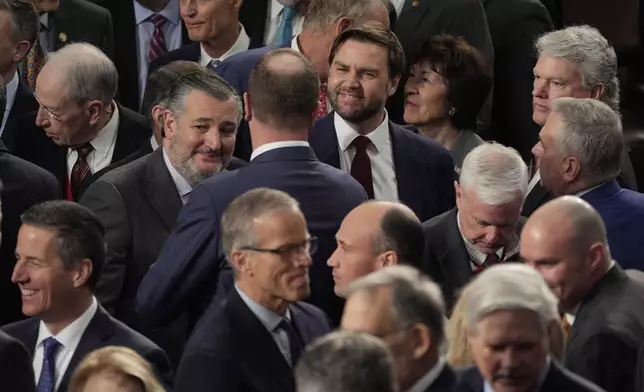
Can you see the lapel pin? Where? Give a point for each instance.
(415, 3)
(62, 37)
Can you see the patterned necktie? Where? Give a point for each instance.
(157, 43)
(294, 341)
(35, 62)
(361, 165)
(81, 167)
(322, 108)
(47, 380)
(284, 33)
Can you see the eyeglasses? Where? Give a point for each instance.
(52, 115)
(289, 251)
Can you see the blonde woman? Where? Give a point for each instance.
(114, 369)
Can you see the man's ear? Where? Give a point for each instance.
(83, 272)
(248, 110)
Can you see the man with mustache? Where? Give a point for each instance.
(392, 163)
(139, 202)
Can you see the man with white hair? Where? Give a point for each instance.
(509, 319)
(565, 241)
(580, 148)
(484, 228)
(78, 129)
(404, 308)
(575, 62)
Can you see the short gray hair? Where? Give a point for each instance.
(324, 13)
(511, 286)
(592, 132)
(345, 361)
(414, 297)
(586, 47)
(87, 73)
(240, 215)
(496, 173)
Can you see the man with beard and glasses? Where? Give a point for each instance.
(392, 163)
(509, 319)
(139, 202)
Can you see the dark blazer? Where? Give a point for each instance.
(514, 27)
(24, 103)
(16, 369)
(126, 53)
(191, 260)
(557, 379)
(445, 381)
(424, 169)
(23, 185)
(446, 259)
(82, 21)
(253, 15)
(102, 331)
(605, 339)
(32, 144)
(231, 350)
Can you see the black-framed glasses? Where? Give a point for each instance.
(289, 251)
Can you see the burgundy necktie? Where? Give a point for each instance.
(157, 43)
(490, 260)
(361, 165)
(81, 168)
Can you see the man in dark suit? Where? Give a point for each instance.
(280, 107)
(79, 129)
(579, 154)
(390, 162)
(401, 300)
(484, 228)
(139, 203)
(314, 42)
(566, 241)
(255, 339)
(60, 255)
(15, 365)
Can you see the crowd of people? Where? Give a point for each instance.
(314, 195)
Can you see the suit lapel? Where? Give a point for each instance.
(456, 261)
(23, 103)
(535, 199)
(161, 190)
(411, 17)
(406, 176)
(123, 145)
(253, 16)
(324, 141)
(27, 333)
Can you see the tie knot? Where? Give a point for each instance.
(84, 150)
(288, 14)
(158, 20)
(361, 143)
(213, 64)
(50, 345)
(491, 260)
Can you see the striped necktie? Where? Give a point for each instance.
(81, 167)
(157, 44)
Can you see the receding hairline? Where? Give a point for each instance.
(284, 64)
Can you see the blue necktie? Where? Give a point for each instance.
(212, 65)
(284, 33)
(47, 380)
(294, 341)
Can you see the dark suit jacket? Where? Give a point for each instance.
(102, 331)
(23, 185)
(82, 21)
(445, 381)
(446, 259)
(252, 15)
(16, 369)
(191, 260)
(514, 27)
(231, 350)
(24, 103)
(605, 339)
(424, 169)
(32, 143)
(557, 379)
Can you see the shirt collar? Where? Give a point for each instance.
(346, 133)
(71, 334)
(44, 20)
(588, 190)
(295, 45)
(275, 145)
(107, 136)
(270, 319)
(171, 12)
(276, 9)
(183, 187)
(479, 257)
(153, 143)
(429, 378)
(12, 88)
(241, 45)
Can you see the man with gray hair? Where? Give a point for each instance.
(346, 362)
(565, 241)
(139, 202)
(404, 308)
(509, 318)
(78, 129)
(254, 339)
(575, 62)
(580, 148)
(484, 228)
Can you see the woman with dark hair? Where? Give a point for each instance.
(448, 83)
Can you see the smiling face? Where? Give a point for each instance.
(426, 96)
(208, 19)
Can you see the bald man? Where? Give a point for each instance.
(375, 235)
(565, 240)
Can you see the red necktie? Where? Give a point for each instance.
(490, 260)
(157, 44)
(81, 168)
(361, 165)
(322, 109)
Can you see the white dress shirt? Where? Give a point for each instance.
(429, 378)
(153, 143)
(182, 185)
(534, 180)
(275, 145)
(274, 18)
(241, 45)
(477, 257)
(145, 31)
(12, 90)
(398, 6)
(68, 338)
(103, 145)
(385, 184)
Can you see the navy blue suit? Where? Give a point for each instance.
(231, 350)
(623, 213)
(188, 269)
(424, 169)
